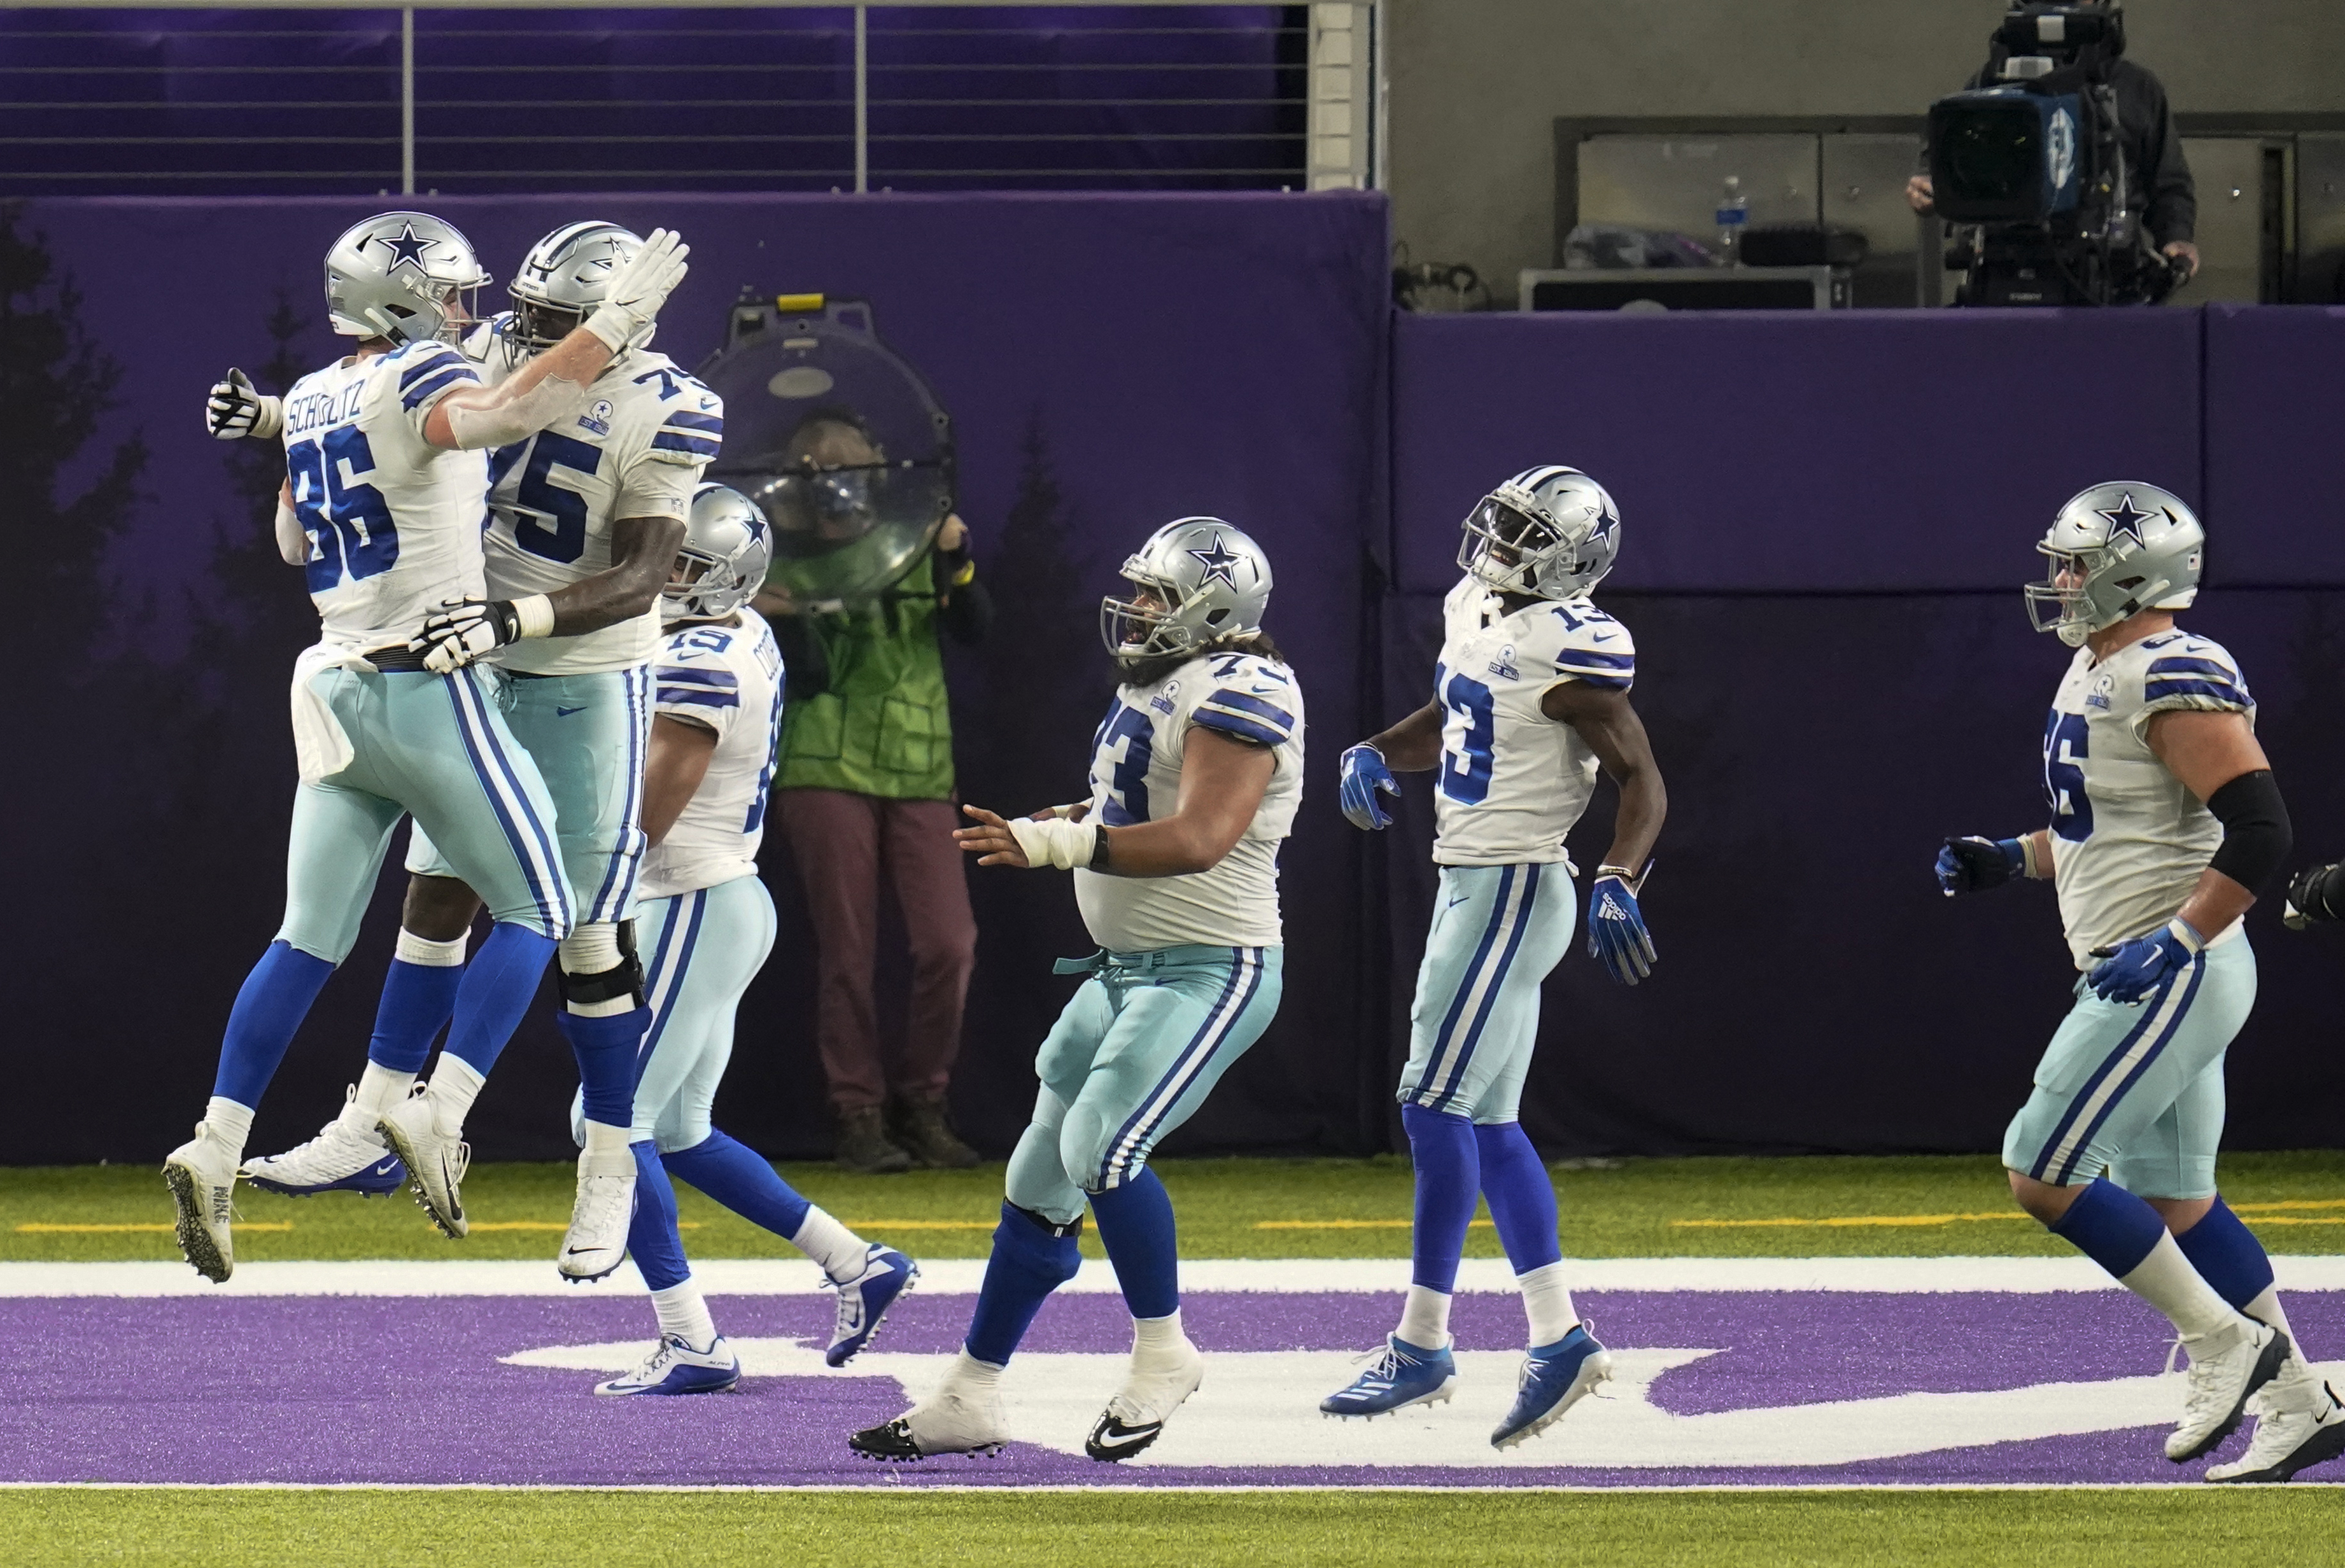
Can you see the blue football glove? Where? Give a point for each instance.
(1364, 775)
(1973, 865)
(2129, 972)
(1616, 928)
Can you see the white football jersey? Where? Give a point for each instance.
(1136, 777)
(393, 522)
(1512, 781)
(728, 678)
(2128, 841)
(635, 451)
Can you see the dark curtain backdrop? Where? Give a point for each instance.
(1827, 519)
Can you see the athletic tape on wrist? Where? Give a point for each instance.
(535, 614)
(1055, 842)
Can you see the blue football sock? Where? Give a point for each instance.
(2111, 1227)
(1448, 1181)
(1028, 1262)
(1135, 1225)
(498, 987)
(418, 1000)
(275, 998)
(654, 1241)
(738, 1178)
(2227, 1255)
(605, 1050)
(1522, 1200)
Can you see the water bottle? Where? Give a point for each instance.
(1733, 212)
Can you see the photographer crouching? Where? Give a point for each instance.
(2062, 157)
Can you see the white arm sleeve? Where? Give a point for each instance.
(512, 418)
(656, 489)
(291, 542)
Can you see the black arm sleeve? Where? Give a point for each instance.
(2256, 833)
(2173, 200)
(806, 664)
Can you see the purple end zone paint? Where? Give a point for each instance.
(354, 1390)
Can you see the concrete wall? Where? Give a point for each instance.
(1476, 85)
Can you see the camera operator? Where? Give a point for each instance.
(2157, 178)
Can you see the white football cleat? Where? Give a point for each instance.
(435, 1161)
(340, 1159)
(597, 1241)
(201, 1174)
(963, 1416)
(2227, 1365)
(2297, 1424)
(675, 1367)
(1154, 1387)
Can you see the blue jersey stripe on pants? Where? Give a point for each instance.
(1498, 932)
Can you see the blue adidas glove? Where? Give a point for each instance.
(1365, 773)
(1616, 928)
(1973, 865)
(2129, 972)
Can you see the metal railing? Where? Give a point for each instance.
(328, 98)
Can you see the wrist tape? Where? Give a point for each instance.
(1055, 842)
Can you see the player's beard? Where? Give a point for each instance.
(1149, 670)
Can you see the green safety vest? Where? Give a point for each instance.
(882, 728)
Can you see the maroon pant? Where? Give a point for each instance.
(842, 843)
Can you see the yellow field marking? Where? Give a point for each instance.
(563, 1225)
(2252, 1210)
(39, 1229)
(1344, 1224)
(2289, 1203)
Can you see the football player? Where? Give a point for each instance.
(584, 516)
(2165, 823)
(1530, 700)
(708, 925)
(382, 506)
(1195, 776)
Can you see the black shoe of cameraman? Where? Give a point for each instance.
(924, 1129)
(861, 1145)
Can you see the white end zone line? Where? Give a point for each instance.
(961, 1276)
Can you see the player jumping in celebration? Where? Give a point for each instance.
(1195, 776)
(583, 521)
(2165, 823)
(382, 504)
(1529, 700)
(707, 925)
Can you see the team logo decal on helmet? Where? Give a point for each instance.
(406, 246)
(1221, 562)
(1196, 582)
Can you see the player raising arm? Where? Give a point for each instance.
(1529, 700)
(1195, 776)
(2166, 822)
(388, 513)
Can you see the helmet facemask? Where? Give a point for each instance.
(1147, 624)
(2088, 591)
(538, 326)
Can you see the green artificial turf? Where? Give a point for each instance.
(1630, 1210)
(361, 1528)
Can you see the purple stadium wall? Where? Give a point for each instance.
(1827, 518)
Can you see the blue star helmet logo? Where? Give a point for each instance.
(1605, 524)
(1220, 563)
(2126, 519)
(407, 250)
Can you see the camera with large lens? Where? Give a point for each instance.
(2032, 167)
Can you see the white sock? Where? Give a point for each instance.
(1157, 1338)
(969, 1372)
(379, 1088)
(1547, 1300)
(839, 1251)
(227, 1124)
(683, 1313)
(455, 1085)
(2166, 1282)
(414, 949)
(1425, 1319)
(602, 1139)
(2266, 1308)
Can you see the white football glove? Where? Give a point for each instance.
(236, 409)
(462, 629)
(640, 289)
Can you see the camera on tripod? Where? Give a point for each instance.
(2034, 167)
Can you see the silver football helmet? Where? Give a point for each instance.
(1199, 581)
(404, 276)
(564, 279)
(2116, 549)
(721, 563)
(1552, 532)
